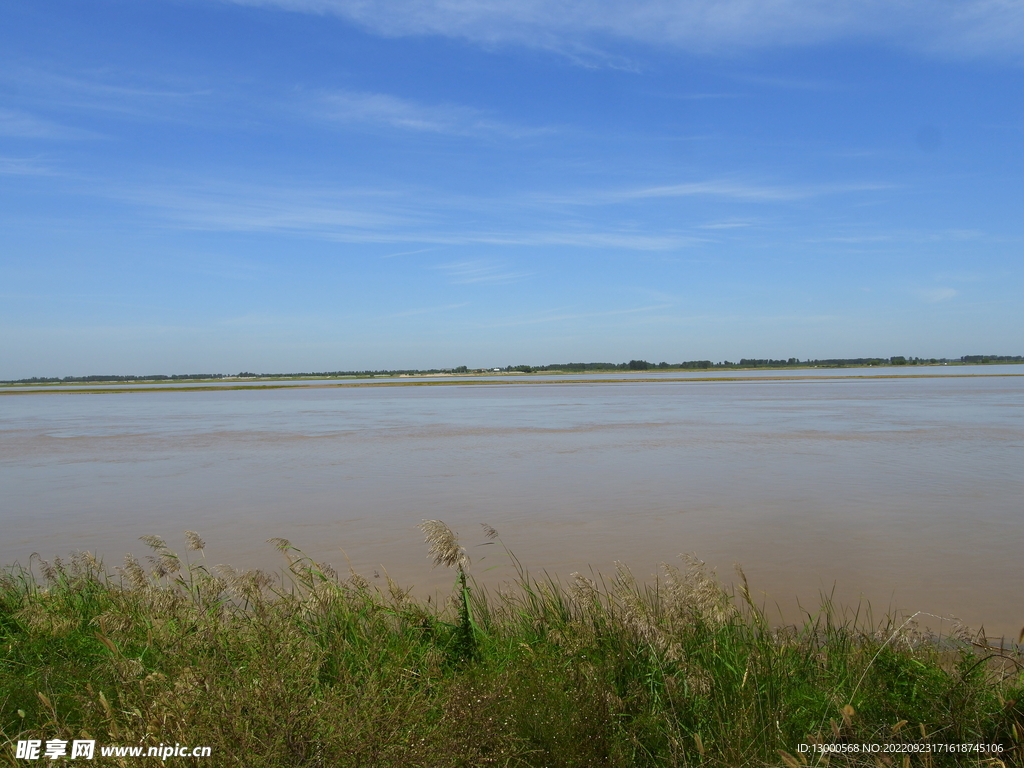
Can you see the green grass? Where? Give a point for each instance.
(309, 668)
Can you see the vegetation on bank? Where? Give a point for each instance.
(312, 668)
(745, 363)
(632, 365)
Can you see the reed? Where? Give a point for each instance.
(308, 667)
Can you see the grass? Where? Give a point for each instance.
(311, 668)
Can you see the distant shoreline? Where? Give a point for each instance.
(555, 369)
(435, 380)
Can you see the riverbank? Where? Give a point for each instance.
(309, 667)
(519, 380)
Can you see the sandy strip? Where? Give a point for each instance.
(86, 390)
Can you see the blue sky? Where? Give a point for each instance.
(200, 185)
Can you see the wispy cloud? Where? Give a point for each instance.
(903, 236)
(728, 224)
(584, 28)
(600, 238)
(480, 271)
(381, 109)
(748, 191)
(720, 188)
(101, 92)
(245, 208)
(788, 83)
(699, 96)
(424, 311)
(960, 277)
(563, 315)
(398, 216)
(16, 123)
(221, 266)
(595, 237)
(935, 295)
(24, 166)
(407, 253)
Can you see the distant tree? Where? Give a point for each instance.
(638, 365)
(898, 360)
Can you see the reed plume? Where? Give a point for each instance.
(444, 545)
(194, 542)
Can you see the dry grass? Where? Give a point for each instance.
(312, 668)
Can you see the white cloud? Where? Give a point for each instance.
(384, 109)
(407, 253)
(904, 236)
(97, 93)
(580, 27)
(561, 315)
(623, 239)
(960, 277)
(424, 311)
(361, 215)
(425, 220)
(23, 166)
(722, 188)
(18, 124)
(935, 295)
(247, 208)
(480, 271)
(728, 224)
(745, 191)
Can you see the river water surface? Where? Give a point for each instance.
(907, 492)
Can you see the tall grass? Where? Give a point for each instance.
(308, 667)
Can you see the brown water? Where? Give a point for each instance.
(908, 492)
